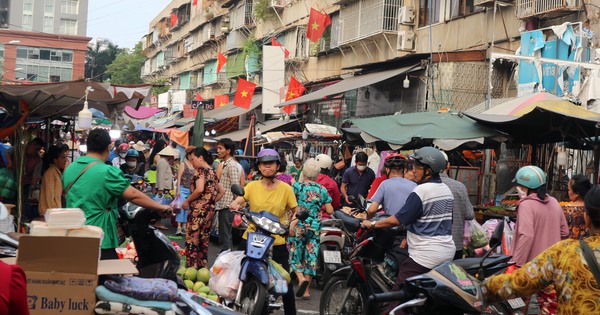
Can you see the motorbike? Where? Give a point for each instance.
(373, 268)
(449, 289)
(256, 294)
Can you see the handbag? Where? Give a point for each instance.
(590, 258)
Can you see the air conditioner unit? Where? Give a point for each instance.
(407, 15)
(406, 40)
(278, 4)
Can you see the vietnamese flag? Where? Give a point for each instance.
(317, 23)
(221, 60)
(198, 97)
(243, 94)
(173, 19)
(295, 89)
(221, 100)
(274, 42)
(195, 2)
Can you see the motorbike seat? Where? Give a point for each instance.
(473, 263)
(350, 223)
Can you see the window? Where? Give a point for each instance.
(28, 6)
(2, 51)
(424, 9)
(68, 27)
(27, 24)
(45, 54)
(460, 8)
(69, 6)
(48, 24)
(49, 7)
(54, 78)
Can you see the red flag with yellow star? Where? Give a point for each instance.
(274, 42)
(221, 100)
(221, 60)
(173, 19)
(295, 89)
(243, 94)
(198, 97)
(317, 23)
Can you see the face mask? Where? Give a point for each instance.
(522, 194)
(361, 167)
(131, 164)
(123, 155)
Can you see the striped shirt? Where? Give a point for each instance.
(427, 215)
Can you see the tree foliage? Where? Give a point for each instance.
(98, 57)
(127, 67)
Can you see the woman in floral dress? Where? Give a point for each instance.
(304, 236)
(574, 210)
(205, 192)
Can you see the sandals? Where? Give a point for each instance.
(302, 288)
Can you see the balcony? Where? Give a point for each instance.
(366, 18)
(235, 40)
(546, 8)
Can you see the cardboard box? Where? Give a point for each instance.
(62, 273)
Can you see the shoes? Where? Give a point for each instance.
(306, 297)
(178, 233)
(302, 288)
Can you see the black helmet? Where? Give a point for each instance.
(431, 157)
(395, 161)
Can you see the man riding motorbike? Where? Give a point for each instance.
(274, 196)
(131, 166)
(427, 215)
(392, 192)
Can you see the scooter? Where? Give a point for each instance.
(449, 289)
(157, 258)
(370, 272)
(256, 292)
(331, 244)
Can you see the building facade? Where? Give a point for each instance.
(43, 40)
(451, 40)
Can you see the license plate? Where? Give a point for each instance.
(332, 257)
(516, 303)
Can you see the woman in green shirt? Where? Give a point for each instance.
(296, 169)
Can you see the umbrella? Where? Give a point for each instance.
(444, 129)
(543, 122)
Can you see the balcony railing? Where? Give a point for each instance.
(364, 18)
(546, 8)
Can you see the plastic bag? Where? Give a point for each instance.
(478, 237)
(176, 204)
(279, 277)
(163, 199)
(224, 274)
(507, 236)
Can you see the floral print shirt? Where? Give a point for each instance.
(562, 265)
(311, 197)
(574, 216)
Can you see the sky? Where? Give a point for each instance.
(123, 22)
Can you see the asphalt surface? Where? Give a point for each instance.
(303, 306)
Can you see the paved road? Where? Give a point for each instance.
(303, 306)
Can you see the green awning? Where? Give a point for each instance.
(446, 130)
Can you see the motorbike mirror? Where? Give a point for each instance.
(363, 201)
(302, 215)
(351, 198)
(237, 190)
(496, 239)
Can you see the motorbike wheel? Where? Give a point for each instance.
(253, 297)
(333, 294)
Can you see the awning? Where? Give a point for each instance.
(504, 106)
(142, 112)
(418, 129)
(268, 125)
(351, 83)
(230, 110)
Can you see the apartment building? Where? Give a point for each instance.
(43, 40)
(441, 49)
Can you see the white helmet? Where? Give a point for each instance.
(324, 161)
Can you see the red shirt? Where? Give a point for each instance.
(332, 189)
(13, 290)
(375, 185)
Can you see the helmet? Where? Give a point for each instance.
(530, 176)
(239, 152)
(431, 157)
(395, 161)
(324, 161)
(132, 153)
(268, 155)
(123, 147)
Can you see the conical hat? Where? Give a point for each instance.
(168, 151)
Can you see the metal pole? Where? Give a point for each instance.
(488, 98)
(198, 139)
